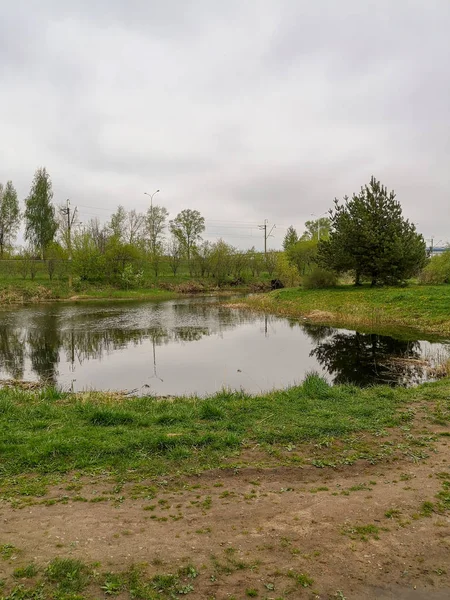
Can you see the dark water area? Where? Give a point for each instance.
(197, 346)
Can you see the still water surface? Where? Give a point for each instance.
(195, 346)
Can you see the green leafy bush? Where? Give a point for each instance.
(437, 270)
(319, 278)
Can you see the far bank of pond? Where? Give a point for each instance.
(422, 307)
(36, 292)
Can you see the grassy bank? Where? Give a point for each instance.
(51, 432)
(422, 307)
(29, 292)
(34, 292)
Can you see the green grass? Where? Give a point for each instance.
(16, 290)
(301, 579)
(26, 572)
(361, 532)
(49, 432)
(70, 579)
(7, 551)
(69, 575)
(24, 291)
(421, 307)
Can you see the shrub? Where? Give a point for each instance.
(437, 270)
(319, 278)
(287, 273)
(303, 255)
(129, 278)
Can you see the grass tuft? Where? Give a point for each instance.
(68, 574)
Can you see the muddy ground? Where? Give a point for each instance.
(248, 528)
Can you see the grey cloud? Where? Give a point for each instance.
(243, 110)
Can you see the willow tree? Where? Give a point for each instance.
(40, 221)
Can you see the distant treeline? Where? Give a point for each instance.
(365, 237)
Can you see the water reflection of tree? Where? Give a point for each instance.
(317, 333)
(364, 359)
(190, 334)
(82, 335)
(43, 341)
(85, 345)
(12, 354)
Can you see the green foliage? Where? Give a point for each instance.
(155, 223)
(113, 584)
(40, 222)
(7, 551)
(270, 261)
(316, 386)
(117, 224)
(55, 260)
(255, 261)
(318, 229)
(303, 255)
(225, 263)
(286, 272)
(70, 575)
(370, 237)
(9, 215)
(88, 262)
(290, 239)
(47, 434)
(129, 278)
(221, 257)
(202, 258)
(437, 270)
(117, 256)
(361, 532)
(26, 572)
(319, 278)
(187, 227)
(421, 307)
(174, 254)
(302, 579)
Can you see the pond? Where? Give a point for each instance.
(197, 346)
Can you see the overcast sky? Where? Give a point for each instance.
(245, 110)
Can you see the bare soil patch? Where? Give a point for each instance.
(355, 532)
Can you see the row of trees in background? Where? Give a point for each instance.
(365, 236)
(128, 250)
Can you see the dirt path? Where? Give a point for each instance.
(255, 529)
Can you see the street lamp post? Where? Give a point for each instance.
(151, 198)
(318, 223)
(151, 217)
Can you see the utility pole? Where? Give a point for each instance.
(70, 220)
(266, 235)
